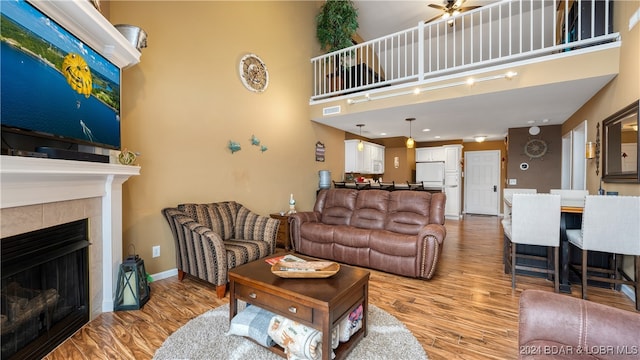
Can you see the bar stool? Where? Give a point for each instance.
(535, 220)
(609, 224)
(507, 197)
(571, 197)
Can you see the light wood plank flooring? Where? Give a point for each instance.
(467, 311)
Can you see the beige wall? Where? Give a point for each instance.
(184, 102)
(620, 92)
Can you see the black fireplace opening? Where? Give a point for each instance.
(45, 289)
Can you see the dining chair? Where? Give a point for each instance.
(610, 224)
(387, 186)
(571, 197)
(363, 185)
(339, 184)
(535, 220)
(416, 185)
(507, 196)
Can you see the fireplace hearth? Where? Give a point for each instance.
(45, 289)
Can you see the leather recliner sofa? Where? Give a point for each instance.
(399, 232)
(556, 326)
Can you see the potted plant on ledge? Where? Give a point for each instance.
(337, 22)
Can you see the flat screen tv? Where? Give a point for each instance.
(53, 85)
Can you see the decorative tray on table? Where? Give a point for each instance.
(305, 269)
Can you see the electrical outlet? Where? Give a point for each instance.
(513, 182)
(156, 251)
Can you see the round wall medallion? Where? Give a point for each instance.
(253, 73)
(535, 148)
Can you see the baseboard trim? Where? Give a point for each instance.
(164, 274)
(628, 291)
(625, 289)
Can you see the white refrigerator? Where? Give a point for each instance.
(431, 174)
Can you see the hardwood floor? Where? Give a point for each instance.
(467, 311)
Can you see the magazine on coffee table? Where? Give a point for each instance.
(284, 258)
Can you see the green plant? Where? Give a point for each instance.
(337, 22)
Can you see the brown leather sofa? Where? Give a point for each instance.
(399, 232)
(556, 326)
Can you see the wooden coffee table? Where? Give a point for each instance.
(317, 303)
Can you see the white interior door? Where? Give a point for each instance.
(482, 182)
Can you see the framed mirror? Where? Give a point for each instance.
(620, 146)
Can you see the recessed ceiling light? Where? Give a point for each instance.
(437, 136)
(545, 120)
(383, 134)
(530, 121)
(426, 130)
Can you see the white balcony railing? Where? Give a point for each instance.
(502, 32)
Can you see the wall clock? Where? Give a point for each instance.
(535, 148)
(253, 73)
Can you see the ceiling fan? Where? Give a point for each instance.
(450, 9)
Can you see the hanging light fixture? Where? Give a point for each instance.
(360, 143)
(410, 141)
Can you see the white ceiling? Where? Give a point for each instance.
(489, 115)
(377, 18)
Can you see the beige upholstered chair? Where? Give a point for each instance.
(571, 197)
(535, 220)
(507, 196)
(213, 238)
(610, 224)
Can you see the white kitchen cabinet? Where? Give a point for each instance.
(430, 154)
(452, 190)
(353, 159)
(368, 161)
(373, 158)
(453, 180)
(452, 157)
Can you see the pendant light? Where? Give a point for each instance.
(360, 143)
(410, 141)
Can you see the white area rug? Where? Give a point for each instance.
(205, 338)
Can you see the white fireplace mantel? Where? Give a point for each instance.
(30, 181)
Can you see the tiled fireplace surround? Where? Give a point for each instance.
(38, 193)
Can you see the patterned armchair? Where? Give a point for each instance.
(213, 238)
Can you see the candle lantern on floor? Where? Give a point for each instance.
(133, 289)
